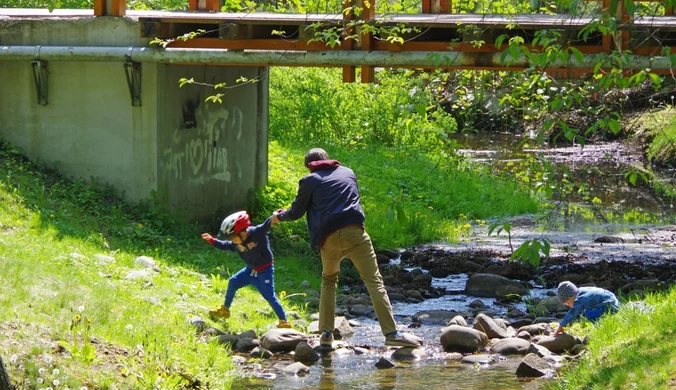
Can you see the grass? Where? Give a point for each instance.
(629, 350)
(60, 308)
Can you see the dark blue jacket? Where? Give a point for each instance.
(255, 251)
(330, 197)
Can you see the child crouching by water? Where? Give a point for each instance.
(591, 302)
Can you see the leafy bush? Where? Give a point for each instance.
(398, 111)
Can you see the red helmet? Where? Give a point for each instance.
(235, 223)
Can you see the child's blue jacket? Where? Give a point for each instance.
(255, 251)
(590, 298)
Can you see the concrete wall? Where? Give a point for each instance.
(198, 156)
(211, 154)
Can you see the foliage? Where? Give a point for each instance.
(398, 111)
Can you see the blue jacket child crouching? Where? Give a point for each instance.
(591, 302)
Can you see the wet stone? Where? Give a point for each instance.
(408, 353)
(246, 344)
(480, 359)
(384, 363)
(305, 353)
(533, 366)
(296, 368)
(261, 353)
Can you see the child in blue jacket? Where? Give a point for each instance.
(253, 246)
(592, 302)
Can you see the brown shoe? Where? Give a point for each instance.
(284, 325)
(221, 312)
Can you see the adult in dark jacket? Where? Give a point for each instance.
(329, 195)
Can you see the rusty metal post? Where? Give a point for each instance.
(368, 13)
(110, 8)
(204, 5)
(349, 72)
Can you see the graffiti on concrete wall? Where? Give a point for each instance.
(195, 153)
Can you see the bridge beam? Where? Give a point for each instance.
(420, 59)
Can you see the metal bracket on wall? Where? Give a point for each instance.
(40, 74)
(133, 72)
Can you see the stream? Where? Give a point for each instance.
(635, 214)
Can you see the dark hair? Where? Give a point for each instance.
(316, 154)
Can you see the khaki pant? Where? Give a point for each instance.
(352, 242)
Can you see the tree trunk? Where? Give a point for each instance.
(5, 384)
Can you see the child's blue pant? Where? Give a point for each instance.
(264, 282)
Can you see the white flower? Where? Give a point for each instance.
(56, 382)
(40, 381)
(56, 372)
(41, 371)
(48, 359)
(129, 327)
(80, 308)
(13, 359)
(84, 388)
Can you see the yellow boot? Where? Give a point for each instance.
(283, 325)
(221, 312)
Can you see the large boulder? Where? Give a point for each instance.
(457, 338)
(487, 286)
(282, 340)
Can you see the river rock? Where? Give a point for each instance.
(557, 344)
(282, 340)
(246, 344)
(341, 328)
(481, 359)
(361, 310)
(539, 350)
(457, 338)
(305, 353)
(511, 346)
(533, 366)
(384, 363)
(524, 335)
(145, 261)
(396, 297)
(408, 353)
(489, 326)
(609, 240)
(228, 340)
(477, 304)
(487, 285)
(550, 305)
(382, 259)
(423, 280)
(296, 368)
(536, 329)
(457, 320)
(434, 317)
(470, 267)
(261, 353)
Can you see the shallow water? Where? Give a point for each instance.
(619, 209)
(439, 371)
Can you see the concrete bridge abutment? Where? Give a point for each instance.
(132, 125)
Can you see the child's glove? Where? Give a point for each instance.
(208, 238)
